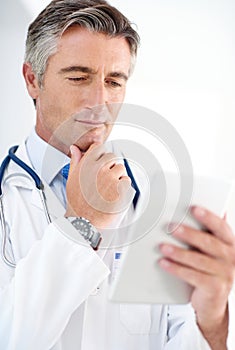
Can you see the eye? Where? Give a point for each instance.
(77, 79)
(113, 83)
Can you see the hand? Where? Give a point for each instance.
(97, 187)
(210, 269)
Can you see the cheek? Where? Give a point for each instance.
(114, 109)
(54, 107)
(108, 130)
(50, 112)
(118, 97)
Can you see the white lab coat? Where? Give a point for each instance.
(56, 298)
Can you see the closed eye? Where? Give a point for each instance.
(77, 79)
(113, 83)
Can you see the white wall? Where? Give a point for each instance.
(185, 72)
(16, 109)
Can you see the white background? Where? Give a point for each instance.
(185, 72)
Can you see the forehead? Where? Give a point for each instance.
(79, 45)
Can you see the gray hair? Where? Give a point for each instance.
(95, 15)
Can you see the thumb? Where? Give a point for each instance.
(76, 155)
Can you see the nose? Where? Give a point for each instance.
(98, 97)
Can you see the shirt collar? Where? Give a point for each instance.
(41, 154)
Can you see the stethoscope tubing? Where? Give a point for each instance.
(4, 237)
(25, 167)
(39, 185)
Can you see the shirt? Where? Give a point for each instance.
(41, 154)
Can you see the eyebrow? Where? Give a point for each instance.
(82, 69)
(88, 70)
(118, 75)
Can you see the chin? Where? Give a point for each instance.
(97, 135)
(84, 146)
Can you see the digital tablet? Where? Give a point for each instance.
(139, 278)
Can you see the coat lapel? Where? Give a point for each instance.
(19, 178)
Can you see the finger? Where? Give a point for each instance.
(203, 241)
(193, 259)
(125, 189)
(126, 181)
(116, 171)
(76, 155)
(119, 171)
(125, 196)
(95, 151)
(193, 277)
(108, 160)
(209, 283)
(213, 223)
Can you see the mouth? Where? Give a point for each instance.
(91, 122)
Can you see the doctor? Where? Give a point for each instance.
(79, 56)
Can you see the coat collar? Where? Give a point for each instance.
(16, 176)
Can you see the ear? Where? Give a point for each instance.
(31, 81)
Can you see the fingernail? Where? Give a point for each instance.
(179, 231)
(173, 228)
(164, 263)
(167, 249)
(198, 211)
(72, 149)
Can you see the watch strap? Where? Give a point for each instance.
(87, 231)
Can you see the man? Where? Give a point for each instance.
(79, 56)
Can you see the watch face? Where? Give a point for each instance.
(83, 226)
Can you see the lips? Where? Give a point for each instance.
(95, 117)
(90, 122)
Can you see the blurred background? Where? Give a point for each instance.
(185, 72)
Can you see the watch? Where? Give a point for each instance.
(87, 230)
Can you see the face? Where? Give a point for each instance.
(83, 87)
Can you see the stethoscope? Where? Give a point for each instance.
(39, 185)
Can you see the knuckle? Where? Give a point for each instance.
(126, 181)
(228, 279)
(214, 221)
(118, 169)
(208, 240)
(199, 259)
(108, 157)
(224, 253)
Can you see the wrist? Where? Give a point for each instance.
(70, 213)
(214, 319)
(215, 330)
(86, 230)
